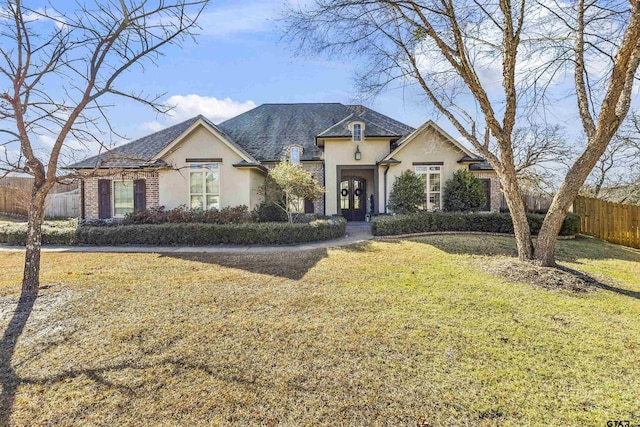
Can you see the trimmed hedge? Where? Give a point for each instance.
(479, 222)
(183, 214)
(56, 233)
(197, 234)
(192, 234)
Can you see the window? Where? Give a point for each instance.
(122, 198)
(357, 132)
(296, 204)
(204, 186)
(433, 185)
(294, 155)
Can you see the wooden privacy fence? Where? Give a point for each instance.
(63, 205)
(614, 222)
(533, 202)
(15, 201)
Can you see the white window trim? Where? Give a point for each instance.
(295, 147)
(352, 127)
(113, 196)
(427, 189)
(204, 184)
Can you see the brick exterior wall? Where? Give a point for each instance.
(316, 169)
(496, 188)
(152, 184)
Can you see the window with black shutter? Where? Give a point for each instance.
(139, 195)
(308, 206)
(104, 198)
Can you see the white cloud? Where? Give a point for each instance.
(153, 126)
(216, 110)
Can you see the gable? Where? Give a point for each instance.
(203, 140)
(201, 144)
(431, 139)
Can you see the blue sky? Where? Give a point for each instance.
(239, 61)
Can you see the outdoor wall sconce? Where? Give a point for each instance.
(358, 154)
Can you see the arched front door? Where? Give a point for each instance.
(353, 194)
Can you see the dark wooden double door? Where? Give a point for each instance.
(352, 194)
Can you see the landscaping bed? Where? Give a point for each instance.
(425, 222)
(187, 234)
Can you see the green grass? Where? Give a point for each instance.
(384, 333)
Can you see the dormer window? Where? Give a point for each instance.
(357, 132)
(294, 155)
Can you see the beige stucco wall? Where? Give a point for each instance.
(429, 146)
(256, 182)
(236, 185)
(341, 152)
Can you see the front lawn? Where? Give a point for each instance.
(383, 333)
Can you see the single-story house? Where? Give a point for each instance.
(354, 152)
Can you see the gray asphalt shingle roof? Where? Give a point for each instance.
(262, 133)
(267, 130)
(482, 166)
(138, 152)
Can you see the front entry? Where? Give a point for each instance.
(353, 198)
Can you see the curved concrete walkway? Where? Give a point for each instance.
(356, 232)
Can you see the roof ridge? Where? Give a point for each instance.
(301, 103)
(336, 124)
(157, 132)
(383, 117)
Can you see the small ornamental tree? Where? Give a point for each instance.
(463, 192)
(408, 193)
(296, 185)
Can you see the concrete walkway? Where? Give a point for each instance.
(356, 232)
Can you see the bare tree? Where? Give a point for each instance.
(616, 175)
(541, 154)
(60, 71)
(479, 62)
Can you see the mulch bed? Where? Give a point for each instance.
(559, 277)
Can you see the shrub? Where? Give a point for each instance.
(407, 194)
(53, 233)
(296, 185)
(269, 212)
(182, 214)
(212, 234)
(463, 193)
(443, 221)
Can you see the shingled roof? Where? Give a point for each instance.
(262, 133)
(136, 153)
(267, 130)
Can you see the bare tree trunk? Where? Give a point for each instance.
(31, 277)
(546, 242)
(519, 217)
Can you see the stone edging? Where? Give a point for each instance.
(449, 233)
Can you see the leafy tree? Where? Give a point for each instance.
(408, 193)
(295, 185)
(463, 192)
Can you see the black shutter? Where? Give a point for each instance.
(139, 195)
(487, 192)
(308, 206)
(104, 198)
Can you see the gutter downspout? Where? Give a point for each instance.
(385, 187)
